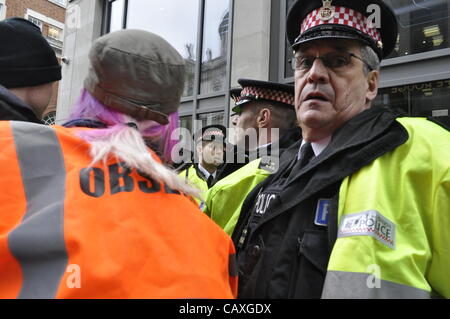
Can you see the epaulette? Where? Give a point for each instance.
(269, 163)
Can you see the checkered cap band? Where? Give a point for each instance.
(342, 16)
(213, 133)
(256, 93)
(209, 133)
(237, 99)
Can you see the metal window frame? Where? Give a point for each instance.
(63, 5)
(196, 98)
(40, 25)
(280, 16)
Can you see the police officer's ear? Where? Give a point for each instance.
(373, 79)
(264, 118)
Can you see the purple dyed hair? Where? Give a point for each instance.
(88, 107)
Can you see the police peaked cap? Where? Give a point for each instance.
(253, 90)
(235, 94)
(211, 133)
(348, 19)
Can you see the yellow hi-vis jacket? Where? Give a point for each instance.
(394, 222)
(190, 176)
(224, 200)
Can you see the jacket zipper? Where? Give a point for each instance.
(244, 233)
(295, 269)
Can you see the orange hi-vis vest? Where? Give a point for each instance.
(69, 230)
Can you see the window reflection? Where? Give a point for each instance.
(55, 33)
(288, 52)
(211, 118)
(174, 20)
(186, 122)
(424, 25)
(215, 46)
(420, 99)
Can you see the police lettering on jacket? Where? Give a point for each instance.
(120, 179)
(262, 203)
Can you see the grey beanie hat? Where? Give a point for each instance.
(137, 73)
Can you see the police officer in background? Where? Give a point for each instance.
(264, 110)
(235, 157)
(209, 150)
(265, 113)
(359, 207)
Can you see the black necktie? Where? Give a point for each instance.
(306, 154)
(210, 181)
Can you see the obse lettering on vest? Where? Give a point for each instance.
(93, 181)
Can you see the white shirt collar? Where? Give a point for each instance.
(317, 147)
(205, 172)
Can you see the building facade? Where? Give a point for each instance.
(224, 40)
(49, 16)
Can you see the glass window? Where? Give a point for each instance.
(215, 46)
(424, 25)
(288, 72)
(211, 118)
(421, 99)
(116, 15)
(35, 21)
(186, 122)
(55, 33)
(62, 3)
(174, 20)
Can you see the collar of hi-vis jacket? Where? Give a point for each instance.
(361, 140)
(198, 172)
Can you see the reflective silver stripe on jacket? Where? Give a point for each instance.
(38, 242)
(351, 285)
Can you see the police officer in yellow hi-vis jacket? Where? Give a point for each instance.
(209, 150)
(260, 106)
(360, 207)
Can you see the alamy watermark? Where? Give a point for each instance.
(73, 280)
(374, 279)
(374, 20)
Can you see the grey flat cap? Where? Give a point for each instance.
(137, 73)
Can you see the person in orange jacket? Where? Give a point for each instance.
(89, 210)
